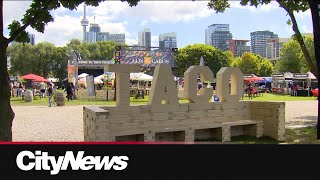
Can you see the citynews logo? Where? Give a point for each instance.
(42, 161)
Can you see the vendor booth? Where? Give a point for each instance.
(305, 82)
(280, 83)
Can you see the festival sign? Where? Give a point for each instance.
(72, 70)
(147, 58)
(90, 85)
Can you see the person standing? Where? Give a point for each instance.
(69, 91)
(295, 90)
(42, 88)
(11, 89)
(49, 93)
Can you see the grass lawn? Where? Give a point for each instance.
(17, 101)
(44, 101)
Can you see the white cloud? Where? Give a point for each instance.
(261, 8)
(306, 29)
(303, 15)
(131, 41)
(154, 41)
(168, 11)
(14, 10)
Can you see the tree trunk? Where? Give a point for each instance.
(6, 112)
(316, 34)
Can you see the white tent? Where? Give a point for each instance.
(97, 81)
(135, 76)
(83, 75)
(53, 80)
(140, 77)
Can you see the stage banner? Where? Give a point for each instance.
(90, 86)
(71, 73)
(147, 58)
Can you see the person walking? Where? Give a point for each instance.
(50, 93)
(69, 91)
(295, 90)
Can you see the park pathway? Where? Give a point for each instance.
(41, 123)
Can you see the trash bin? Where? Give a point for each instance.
(28, 96)
(60, 99)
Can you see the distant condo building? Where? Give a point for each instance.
(144, 37)
(32, 39)
(219, 36)
(95, 35)
(273, 48)
(168, 40)
(238, 47)
(259, 41)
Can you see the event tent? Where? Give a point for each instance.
(34, 78)
(133, 76)
(83, 75)
(140, 77)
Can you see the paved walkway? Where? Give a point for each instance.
(40, 123)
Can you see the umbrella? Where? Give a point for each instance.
(31, 77)
(40, 79)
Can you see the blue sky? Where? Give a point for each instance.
(188, 19)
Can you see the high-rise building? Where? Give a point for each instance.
(32, 39)
(238, 47)
(273, 48)
(259, 41)
(144, 37)
(168, 40)
(218, 35)
(95, 35)
(106, 36)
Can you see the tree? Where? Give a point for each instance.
(265, 68)
(37, 17)
(59, 63)
(290, 6)
(191, 54)
(248, 63)
(290, 60)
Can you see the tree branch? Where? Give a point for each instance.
(22, 28)
(299, 38)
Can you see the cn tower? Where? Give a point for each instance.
(84, 23)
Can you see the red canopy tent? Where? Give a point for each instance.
(34, 78)
(252, 79)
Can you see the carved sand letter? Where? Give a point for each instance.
(190, 84)
(223, 79)
(123, 82)
(163, 88)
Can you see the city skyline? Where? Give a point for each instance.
(188, 19)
